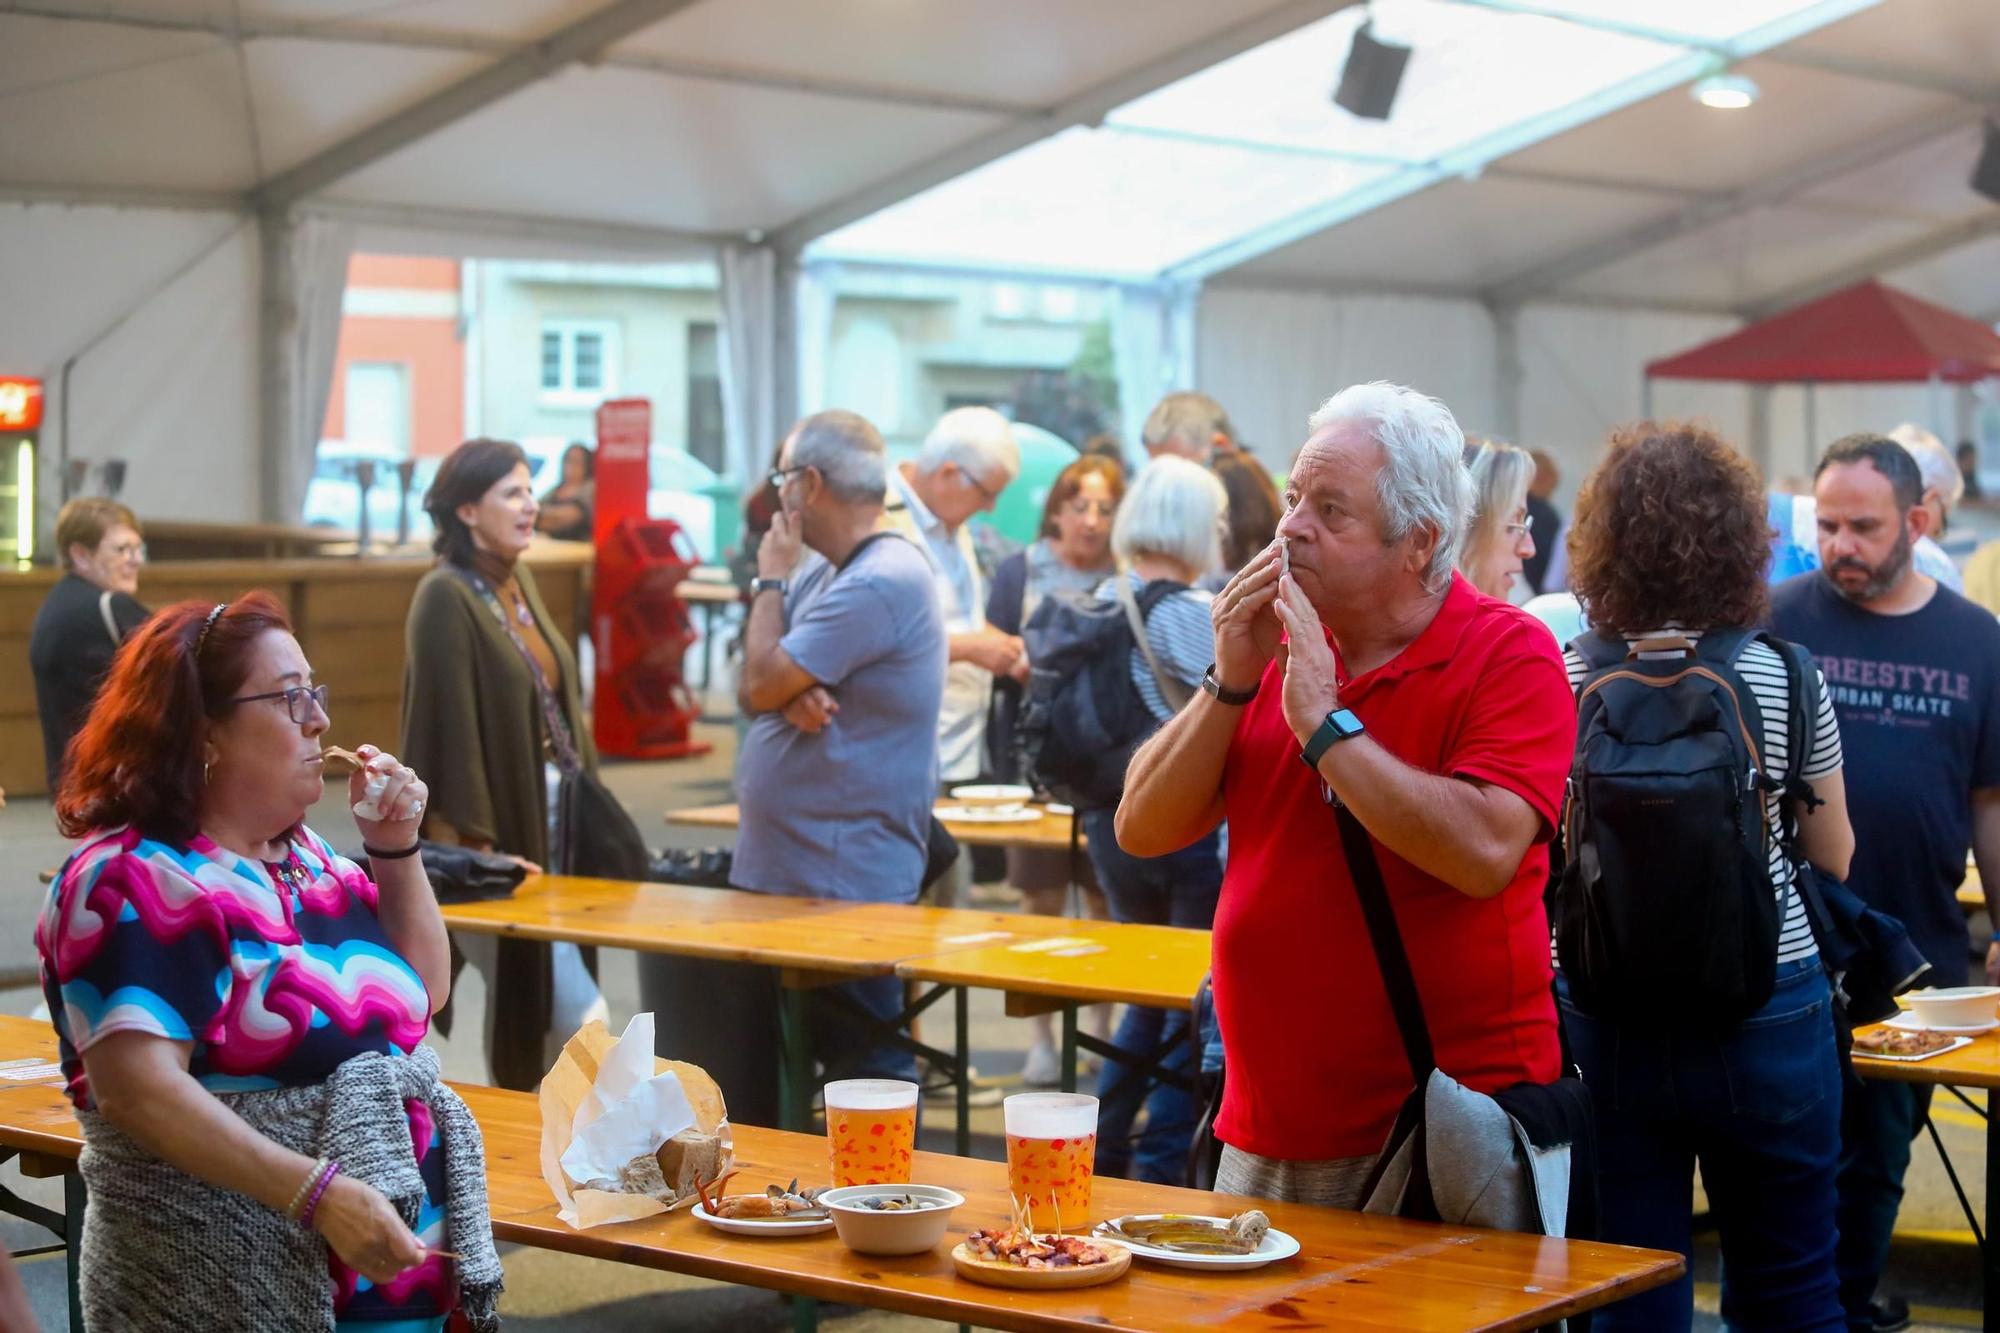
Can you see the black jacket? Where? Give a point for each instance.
(70, 650)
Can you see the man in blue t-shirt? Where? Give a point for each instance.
(1914, 671)
(843, 674)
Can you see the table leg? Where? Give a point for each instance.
(74, 1199)
(1069, 1048)
(805, 1314)
(795, 1061)
(961, 1024)
(1991, 1293)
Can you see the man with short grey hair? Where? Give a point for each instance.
(1441, 720)
(843, 670)
(1192, 425)
(967, 460)
(1944, 484)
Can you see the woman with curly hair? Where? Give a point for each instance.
(1670, 539)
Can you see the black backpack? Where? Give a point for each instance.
(1666, 910)
(1082, 718)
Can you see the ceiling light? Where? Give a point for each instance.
(1725, 92)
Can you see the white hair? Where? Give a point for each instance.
(1174, 509)
(1423, 481)
(1934, 461)
(846, 450)
(978, 439)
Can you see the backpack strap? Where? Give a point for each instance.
(1172, 691)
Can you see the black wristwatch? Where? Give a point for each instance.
(1223, 694)
(758, 585)
(1340, 725)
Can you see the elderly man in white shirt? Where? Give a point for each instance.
(966, 461)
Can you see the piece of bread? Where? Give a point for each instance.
(338, 763)
(688, 1157)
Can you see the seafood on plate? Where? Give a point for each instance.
(778, 1203)
(1186, 1233)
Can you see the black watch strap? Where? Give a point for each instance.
(1339, 725)
(758, 585)
(1222, 693)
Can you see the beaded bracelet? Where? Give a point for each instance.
(377, 854)
(305, 1188)
(312, 1204)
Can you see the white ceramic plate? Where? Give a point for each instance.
(1276, 1245)
(1058, 808)
(1910, 1022)
(764, 1227)
(959, 814)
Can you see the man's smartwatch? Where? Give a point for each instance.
(1222, 693)
(1339, 725)
(758, 585)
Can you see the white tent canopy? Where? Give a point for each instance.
(179, 177)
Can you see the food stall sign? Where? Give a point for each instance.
(20, 403)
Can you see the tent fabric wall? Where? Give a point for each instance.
(750, 357)
(158, 309)
(1271, 357)
(320, 250)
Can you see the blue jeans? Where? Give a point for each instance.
(1877, 1124)
(1178, 889)
(1758, 1107)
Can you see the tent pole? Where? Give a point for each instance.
(1812, 426)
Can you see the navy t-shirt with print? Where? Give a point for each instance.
(1918, 698)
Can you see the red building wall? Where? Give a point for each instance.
(410, 319)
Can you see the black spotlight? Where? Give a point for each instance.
(1374, 70)
(1986, 173)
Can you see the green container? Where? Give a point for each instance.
(1017, 515)
(727, 498)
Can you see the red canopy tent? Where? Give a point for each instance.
(1867, 333)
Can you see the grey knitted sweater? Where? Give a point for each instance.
(164, 1252)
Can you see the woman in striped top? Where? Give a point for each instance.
(1169, 528)
(1670, 536)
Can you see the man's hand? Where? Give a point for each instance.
(1993, 963)
(1312, 688)
(778, 553)
(1246, 630)
(991, 649)
(811, 711)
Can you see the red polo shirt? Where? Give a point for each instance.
(1316, 1068)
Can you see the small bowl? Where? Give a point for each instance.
(1954, 1006)
(866, 1231)
(995, 796)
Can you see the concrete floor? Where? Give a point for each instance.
(1934, 1263)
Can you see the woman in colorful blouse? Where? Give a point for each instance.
(230, 992)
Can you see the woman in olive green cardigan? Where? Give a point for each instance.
(474, 725)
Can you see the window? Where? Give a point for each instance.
(377, 406)
(704, 395)
(579, 361)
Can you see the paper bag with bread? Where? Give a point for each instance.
(626, 1134)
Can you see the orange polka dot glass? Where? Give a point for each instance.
(1051, 1153)
(871, 1130)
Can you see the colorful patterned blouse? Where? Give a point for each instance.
(273, 985)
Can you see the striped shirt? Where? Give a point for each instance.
(1764, 672)
(1181, 635)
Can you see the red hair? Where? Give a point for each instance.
(137, 760)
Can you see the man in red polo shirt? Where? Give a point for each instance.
(1443, 720)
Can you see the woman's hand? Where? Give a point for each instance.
(398, 804)
(364, 1229)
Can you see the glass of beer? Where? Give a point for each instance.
(1051, 1152)
(871, 1130)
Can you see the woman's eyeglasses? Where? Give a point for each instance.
(1521, 529)
(300, 700)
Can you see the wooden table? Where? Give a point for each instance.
(813, 942)
(1974, 1066)
(1354, 1271)
(1111, 962)
(1051, 832)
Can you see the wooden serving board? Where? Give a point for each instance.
(975, 1269)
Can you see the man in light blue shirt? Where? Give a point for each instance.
(843, 672)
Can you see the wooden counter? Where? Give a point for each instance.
(349, 616)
